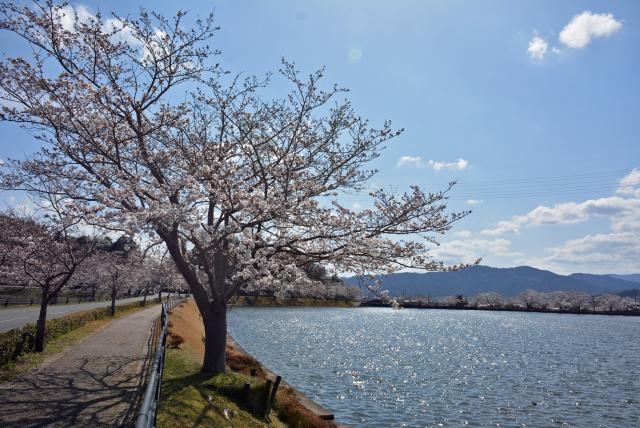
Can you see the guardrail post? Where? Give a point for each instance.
(266, 396)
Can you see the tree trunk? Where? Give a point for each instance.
(215, 342)
(214, 314)
(144, 300)
(41, 324)
(114, 293)
(160, 295)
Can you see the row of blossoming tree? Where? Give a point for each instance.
(141, 132)
(49, 253)
(532, 300)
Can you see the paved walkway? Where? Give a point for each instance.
(93, 384)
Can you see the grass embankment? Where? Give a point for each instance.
(62, 333)
(301, 301)
(191, 398)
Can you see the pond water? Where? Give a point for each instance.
(376, 367)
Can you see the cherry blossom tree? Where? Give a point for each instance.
(578, 300)
(44, 255)
(611, 302)
(628, 304)
(492, 300)
(530, 298)
(556, 300)
(243, 191)
(110, 272)
(156, 273)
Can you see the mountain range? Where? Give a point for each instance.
(508, 282)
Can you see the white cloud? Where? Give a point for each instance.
(615, 252)
(598, 253)
(501, 228)
(474, 201)
(570, 213)
(586, 26)
(623, 210)
(537, 48)
(83, 15)
(459, 164)
(463, 233)
(630, 184)
(24, 206)
(68, 15)
(469, 250)
(410, 160)
(121, 32)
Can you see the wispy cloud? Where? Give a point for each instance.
(598, 253)
(463, 233)
(474, 201)
(69, 17)
(623, 211)
(410, 160)
(469, 250)
(616, 251)
(630, 184)
(437, 165)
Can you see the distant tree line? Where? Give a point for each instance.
(531, 300)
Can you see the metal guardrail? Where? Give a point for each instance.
(146, 417)
(9, 300)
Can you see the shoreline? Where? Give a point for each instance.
(186, 333)
(408, 305)
(269, 302)
(312, 406)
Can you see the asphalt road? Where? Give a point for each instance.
(17, 317)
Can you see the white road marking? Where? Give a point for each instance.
(63, 312)
(14, 319)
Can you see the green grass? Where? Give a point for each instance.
(191, 398)
(28, 360)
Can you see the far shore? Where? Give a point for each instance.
(411, 305)
(265, 301)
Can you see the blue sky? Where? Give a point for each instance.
(532, 106)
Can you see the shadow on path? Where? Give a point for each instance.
(96, 383)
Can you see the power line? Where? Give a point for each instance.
(519, 188)
(583, 176)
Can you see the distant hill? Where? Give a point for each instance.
(506, 281)
(607, 282)
(633, 293)
(634, 277)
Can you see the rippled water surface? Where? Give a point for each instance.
(375, 367)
